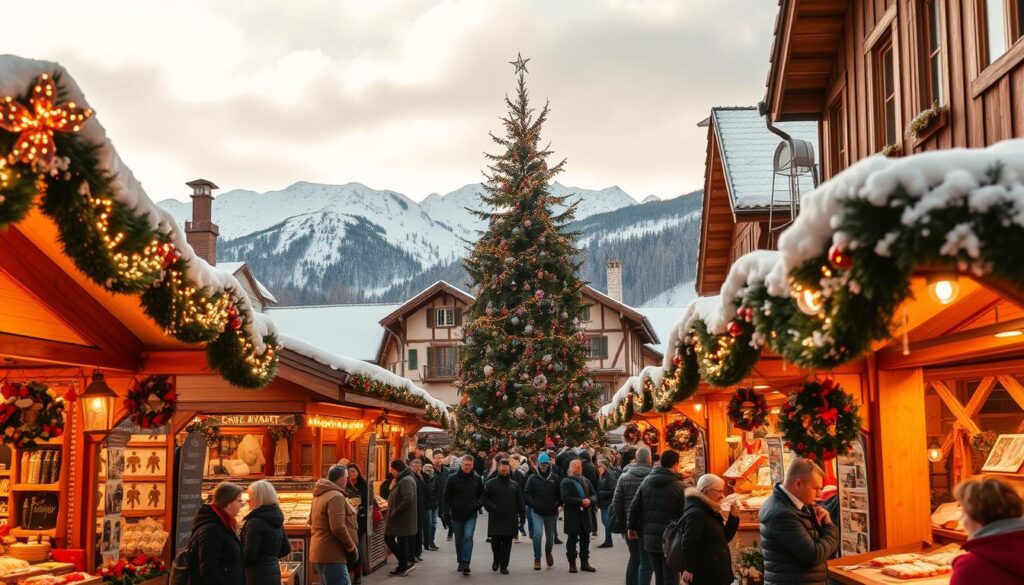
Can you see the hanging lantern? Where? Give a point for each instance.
(98, 406)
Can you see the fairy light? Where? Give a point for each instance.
(37, 122)
(133, 266)
(330, 422)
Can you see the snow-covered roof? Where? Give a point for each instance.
(18, 73)
(352, 330)
(360, 368)
(748, 147)
(234, 267)
(634, 385)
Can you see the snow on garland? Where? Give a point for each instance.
(821, 421)
(31, 413)
(52, 147)
(151, 402)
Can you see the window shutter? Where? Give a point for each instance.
(431, 319)
(414, 362)
(430, 356)
(604, 347)
(458, 316)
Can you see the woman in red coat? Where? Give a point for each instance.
(994, 551)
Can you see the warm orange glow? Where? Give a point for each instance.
(1009, 333)
(944, 288)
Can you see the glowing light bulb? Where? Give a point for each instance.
(944, 288)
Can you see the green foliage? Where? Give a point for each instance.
(821, 421)
(523, 372)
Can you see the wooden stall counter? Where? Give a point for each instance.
(922, 557)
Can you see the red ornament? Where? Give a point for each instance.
(839, 258)
(735, 329)
(171, 256)
(235, 323)
(677, 359)
(232, 311)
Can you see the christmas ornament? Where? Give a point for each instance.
(735, 329)
(839, 258)
(520, 411)
(36, 124)
(488, 370)
(479, 411)
(151, 402)
(540, 381)
(528, 329)
(747, 409)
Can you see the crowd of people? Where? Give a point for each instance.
(638, 494)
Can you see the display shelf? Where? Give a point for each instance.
(142, 513)
(21, 533)
(36, 487)
(947, 534)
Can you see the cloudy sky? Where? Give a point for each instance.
(400, 94)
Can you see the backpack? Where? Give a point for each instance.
(181, 567)
(671, 544)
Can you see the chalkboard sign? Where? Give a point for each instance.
(41, 512)
(191, 458)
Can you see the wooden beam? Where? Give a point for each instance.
(184, 361)
(981, 394)
(56, 352)
(955, 407)
(1014, 389)
(370, 401)
(968, 345)
(59, 291)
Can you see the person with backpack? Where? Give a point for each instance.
(706, 535)
(577, 498)
(214, 547)
(632, 476)
(263, 539)
(334, 538)
(542, 495)
(658, 502)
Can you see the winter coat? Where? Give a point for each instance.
(442, 476)
(993, 555)
(504, 504)
(543, 493)
(563, 459)
(334, 524)
(590, 472)
(795, 546)
(521, 476)
(625, 488)
(263, 544)
(360, 490)
(403, 517)
(217, 548)
(606, 488)
(421, 497)
(706, 540)
(385, 486)
(577, 519)
(433, 490)
(463, 496)
(659, 501)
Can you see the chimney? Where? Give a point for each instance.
(614, 267)
(201, 233)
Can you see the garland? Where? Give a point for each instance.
(397, 394)
(114, 245)
(820, 421)
(747, 409)
(210, 433)
(682, 434)
(651, 437)
(138, 402)
(725, 360)
(135, 570)
(32, 413)
(282, 432)
(631, 434)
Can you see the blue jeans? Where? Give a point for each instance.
(633, 564)
(431, 527)
(464, 530)
(538, 526)
(332, 573)
(652, 563)
(606, 520)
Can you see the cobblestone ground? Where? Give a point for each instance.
(439, 567)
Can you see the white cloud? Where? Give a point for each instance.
(401, 94)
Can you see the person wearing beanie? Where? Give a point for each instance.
(214, 540)
(542, 495)
(432, 479)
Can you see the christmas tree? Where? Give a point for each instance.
(523, 377)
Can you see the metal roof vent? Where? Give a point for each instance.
(793, 160)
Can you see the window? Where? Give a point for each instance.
(586, 313)
(933, 41)
(448, 317)
(442, 361)
(306, 459)
(885, 88)
(837, 136)
(328, 457)
(1002, 24)
(414, 362)
(598, 348)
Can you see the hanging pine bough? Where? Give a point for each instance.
(726, 359)
(120, 246)
(397, 394)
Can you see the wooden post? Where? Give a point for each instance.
(900, 444)
(318, 444)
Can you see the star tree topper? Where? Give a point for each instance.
(520, 63)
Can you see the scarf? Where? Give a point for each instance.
(223, 515)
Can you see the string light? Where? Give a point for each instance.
(134, 266)
(37, 123)
(330, 422)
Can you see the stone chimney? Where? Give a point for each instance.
(201, 233)
(614, 267)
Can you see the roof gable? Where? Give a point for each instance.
(413, 304)
(637, 319)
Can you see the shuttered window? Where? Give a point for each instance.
(414, 362)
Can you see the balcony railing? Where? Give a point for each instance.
(435, 372)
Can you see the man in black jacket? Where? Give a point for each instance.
(441, 472)
(590, 472)
(504, 504)
(543, 497)
(421, 507)
(797, 537)
(578, 496)
(627, 486)
(463, 497)
(659, 501)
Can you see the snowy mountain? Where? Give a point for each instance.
(678, 296)
(651, 199)
(316, 243)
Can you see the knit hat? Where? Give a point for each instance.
(543, 458)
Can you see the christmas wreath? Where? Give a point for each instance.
(31, 413)
(631, 434)
(151, 402)
(651, 436)
(210, 433)
(278, 433)
(820, 421)
(682, 434)
(748, 410)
